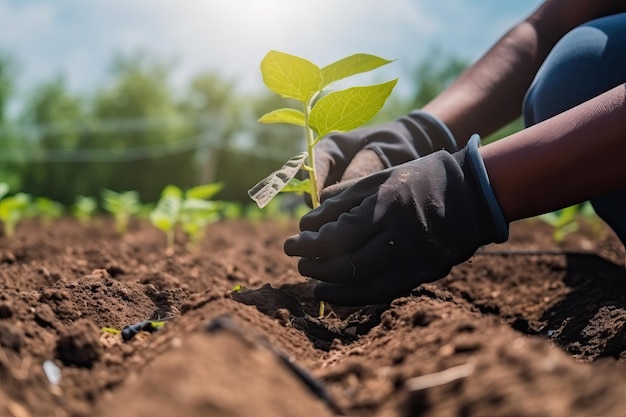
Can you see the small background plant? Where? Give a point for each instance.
(122, 205)
(46, 210)
(566, 220)
(12, 209)
(84, 208)
(192, 210)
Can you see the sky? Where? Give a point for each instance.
(78, 38)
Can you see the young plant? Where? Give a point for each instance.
(232, 210)
(47, 210)
(564, 221)
(84, 208)
(166, 212)
(191, 209)
(12, 209)
(122, 206)
(296, 78)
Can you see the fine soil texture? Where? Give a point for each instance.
(229, 328)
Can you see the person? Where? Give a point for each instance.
(404, 202)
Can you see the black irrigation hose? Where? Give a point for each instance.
(131, 331)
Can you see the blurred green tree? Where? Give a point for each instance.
(427, 79)
(433, 75)
(211, 101)
(11, 160)
(49, 117)
(149, 141)
(7, 73)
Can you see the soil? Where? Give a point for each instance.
(526, 328)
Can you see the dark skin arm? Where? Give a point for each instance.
(539, 169)
(501, 77)
(564, 160)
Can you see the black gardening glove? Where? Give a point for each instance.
(398, 228)
(344, 156)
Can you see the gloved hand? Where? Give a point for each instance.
(360, 152)
(398, 228)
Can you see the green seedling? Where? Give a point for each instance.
(167, 211)
(195, 216)
(122, 206)
(232, 210)
(191, 209)
(296, 78)
(320, 113)
(238, 288)
(110, 330)
(47, 210)
(12, 209)
(84, 208)
(565, 221)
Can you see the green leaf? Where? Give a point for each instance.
(559, 233)
(297, 186)
(48, 207)
(348, 109)
(195, 205)
(352, 65)
(291, 76)
(17, 201)
(12, 210)
(4, 189)
(204, 191)
(161, 222)
(167, 209)
(165, 214)
(231, 209)
(172, 191)
(121, 203)
(196, 214)
(586, 210)
(286, 115)
(84, 206)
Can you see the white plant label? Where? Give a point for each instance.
(268, 187)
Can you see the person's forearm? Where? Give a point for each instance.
(564, 160)
(490, 93)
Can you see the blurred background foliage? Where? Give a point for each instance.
(139, 131)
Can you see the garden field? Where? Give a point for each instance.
(527, 328)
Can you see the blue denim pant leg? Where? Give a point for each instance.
(586, 62)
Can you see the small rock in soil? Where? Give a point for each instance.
(6, 309)
(11, 337)
(45, 316)
(79, 345)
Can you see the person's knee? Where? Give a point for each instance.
(587, 61)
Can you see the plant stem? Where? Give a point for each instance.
(9, 229)
(315, 201)
(310, 142)
(170, 238)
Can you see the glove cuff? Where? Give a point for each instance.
(501, 226)
(436, 130)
